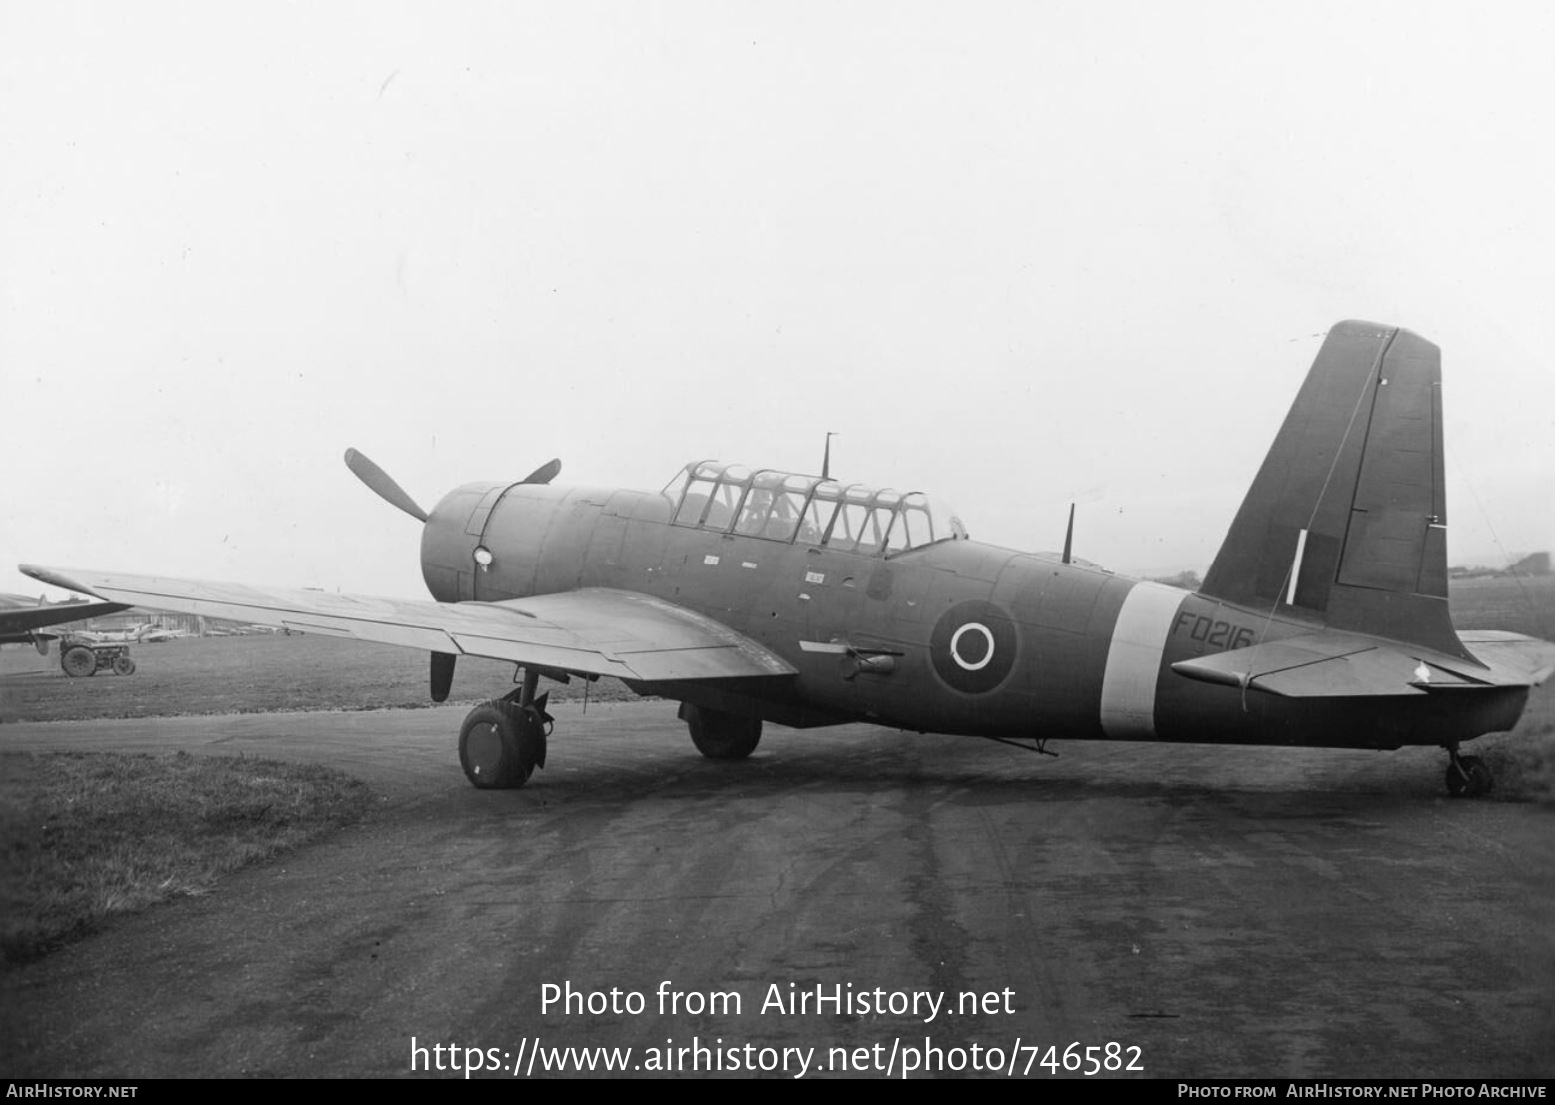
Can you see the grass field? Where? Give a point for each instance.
(1521, 605)
(86, 836)
(261, 673)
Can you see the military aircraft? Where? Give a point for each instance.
(758, 595)
(156, 633)
(145, 632)
(21, 619)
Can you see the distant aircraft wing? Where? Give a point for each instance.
(1330, 665)
(36, 617)
(596, 631)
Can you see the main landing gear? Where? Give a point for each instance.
(719, 735)
(1467, 776)
(502, 742)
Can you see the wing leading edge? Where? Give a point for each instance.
(596, 631)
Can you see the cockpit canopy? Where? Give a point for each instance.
(782, 506)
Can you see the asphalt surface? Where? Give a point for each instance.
(1226, 912)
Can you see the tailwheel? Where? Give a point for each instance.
(1467, 776)
(721, 736)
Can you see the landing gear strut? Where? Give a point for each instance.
(501, 742)
(1467, 776)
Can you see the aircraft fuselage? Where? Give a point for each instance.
(952, 637)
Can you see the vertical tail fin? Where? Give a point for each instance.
(1346, 520)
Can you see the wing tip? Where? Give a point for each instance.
(54, 577)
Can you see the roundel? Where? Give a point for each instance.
(973, 646)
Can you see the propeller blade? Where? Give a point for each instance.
(380, 481)
(544, 474)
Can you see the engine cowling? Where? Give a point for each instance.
(450, 537)
(495, 541)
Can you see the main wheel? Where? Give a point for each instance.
(490, 749)
(123, 665)
(77, 660)
(721, 736)
(1469, 778)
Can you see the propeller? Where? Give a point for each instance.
(395, 495)
(545, 473)
(442, 666)
(381, 482)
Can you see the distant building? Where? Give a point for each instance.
(134, 619)
(1534, 564)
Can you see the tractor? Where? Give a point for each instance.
(79, 656)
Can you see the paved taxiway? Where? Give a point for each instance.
(1230, 912)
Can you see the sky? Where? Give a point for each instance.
(1014, 255)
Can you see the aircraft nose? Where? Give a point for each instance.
(451, 549)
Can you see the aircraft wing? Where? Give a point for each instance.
(1329, 665)
(596, 631)
(36, 617)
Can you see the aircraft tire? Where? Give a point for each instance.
(721, 736)
(490, 750)
(1469, 778)
(123, 665)
(78, 661)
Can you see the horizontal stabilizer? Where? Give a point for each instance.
(1512, 657)
(1338, 665)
